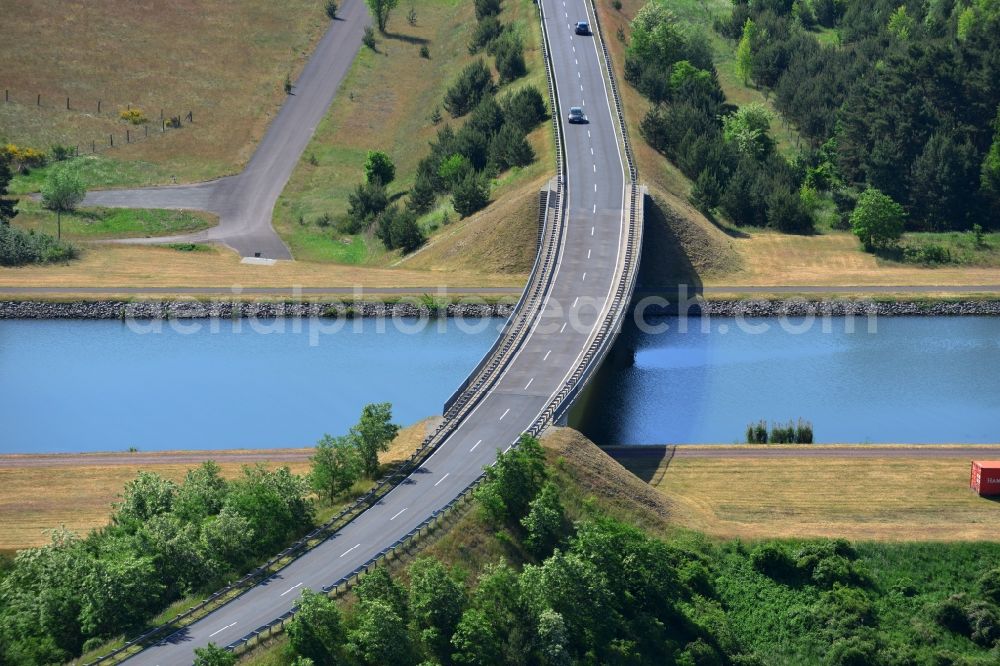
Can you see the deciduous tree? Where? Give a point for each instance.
(877, 220)
(373, 433)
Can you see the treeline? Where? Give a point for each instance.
(793, 432)
(494, 138)
(907, 102)
(18, 247)
(725, 150)
(167, 540)
(599, 591)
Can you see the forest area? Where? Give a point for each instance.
(897, 106)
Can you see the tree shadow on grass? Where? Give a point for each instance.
(409, 39)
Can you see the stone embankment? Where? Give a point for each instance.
(182, 309)
(193, 309)
(834, 307)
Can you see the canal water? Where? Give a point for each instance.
(220, 384)
(108, 386)
(890, 379)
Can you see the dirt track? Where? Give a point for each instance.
(153, 458)
(985, 451)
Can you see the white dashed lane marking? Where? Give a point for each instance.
(475, 445)
(350, 549)
(529, 383)
(442, 479)
(546, 357)
(223, 629)
(504, 414)
(290, 589)
(399, 513)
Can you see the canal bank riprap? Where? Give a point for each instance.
(417, 307)
(193, 309)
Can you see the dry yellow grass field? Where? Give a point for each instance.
(896, 499)
(143, 266)
(42, 492)
(225, 61)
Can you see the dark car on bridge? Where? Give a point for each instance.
(582, 28)
(576, 115)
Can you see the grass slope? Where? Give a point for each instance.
(386, 103)
(224, 61)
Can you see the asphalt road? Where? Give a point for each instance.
(244, 202)
(585, 277)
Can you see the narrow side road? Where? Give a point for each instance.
(244, 202)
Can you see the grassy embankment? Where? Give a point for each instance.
(42, 492)
(386, 103)
(722, 255)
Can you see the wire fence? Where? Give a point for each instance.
(143, 129)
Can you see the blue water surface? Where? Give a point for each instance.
(910, 380)
(103, 386)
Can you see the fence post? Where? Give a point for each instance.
(128, 137)
(163, 125)
(146, 127)
(39, 103)
(190, 116)
(6, 95)
(112, 136)
(98, 106)
(93, 146)
(67, 103)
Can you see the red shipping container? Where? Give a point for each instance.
(985, 477)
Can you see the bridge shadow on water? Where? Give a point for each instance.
(665, 270)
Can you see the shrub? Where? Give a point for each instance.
(366, 203)
(368, 39)
(324, 220)
(134, 116)
(486, 31)
(22, 159)
(60, 153)
(398, 229)
(932, 253)
(411, 16)
(470, 195)
(486, 8)
(454, 170)
(617, 4)
(425, 52)
(508, 49)
(421, 197)
(757, 432)
(525, 108)
(989, 585)
(984, 623)
(771, 559)
(331, 9)
(18, 247)
(510, 148)
(852, 651)
(472, 85)
(379, 168)
(950, 614)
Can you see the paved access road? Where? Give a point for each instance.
(585, 277)
(244, 202)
